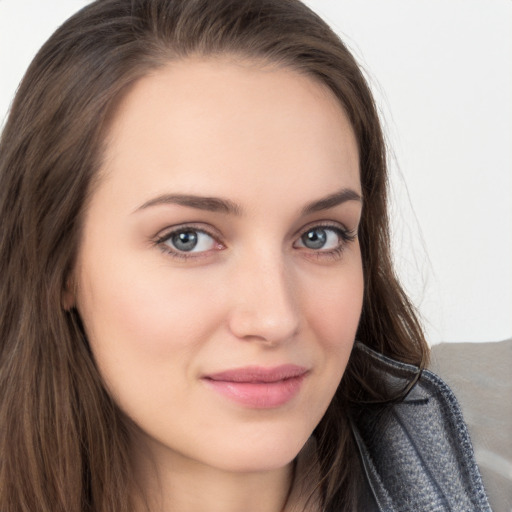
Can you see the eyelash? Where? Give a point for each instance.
(161, 242)
(346, 237)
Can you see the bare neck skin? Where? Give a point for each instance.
(198, 488)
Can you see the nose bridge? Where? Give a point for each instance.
(266, 303)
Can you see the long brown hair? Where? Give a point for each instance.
(64, 445)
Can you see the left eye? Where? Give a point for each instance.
(190, 240)
(320, 238)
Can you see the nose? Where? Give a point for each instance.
(265, 306)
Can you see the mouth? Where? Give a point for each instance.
(259, 387)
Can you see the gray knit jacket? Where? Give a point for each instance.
(417, 454)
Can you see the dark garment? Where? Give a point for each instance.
(417, 454)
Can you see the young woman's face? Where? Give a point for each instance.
(219, 276)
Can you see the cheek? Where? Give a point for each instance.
(332, 308)
(333, 312)
(144, 337)
(335, 308)
(138, 303)
(140, 323)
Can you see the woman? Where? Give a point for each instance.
(194, 233)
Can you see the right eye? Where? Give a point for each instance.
(184, 241)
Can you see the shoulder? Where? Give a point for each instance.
(417, 453)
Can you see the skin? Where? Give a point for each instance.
(271, 141)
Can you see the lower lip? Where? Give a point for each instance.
(258, 395)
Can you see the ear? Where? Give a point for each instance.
(68, 296)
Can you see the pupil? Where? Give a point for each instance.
(314, 239)
(185, 241)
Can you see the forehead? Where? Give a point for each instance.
(213, 123)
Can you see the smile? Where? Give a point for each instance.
(258, 387)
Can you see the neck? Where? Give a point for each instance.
(180, 484)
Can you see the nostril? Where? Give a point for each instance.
(265, 308)
(266, 327)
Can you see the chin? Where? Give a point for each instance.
(267, 452)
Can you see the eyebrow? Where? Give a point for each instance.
(332, 200)
(211, 204)
(217, 204)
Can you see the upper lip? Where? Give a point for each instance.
(259, 374)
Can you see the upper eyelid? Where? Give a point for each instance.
(323, 224)
(200, 226)
(165, 233)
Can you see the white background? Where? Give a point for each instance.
(441, 71)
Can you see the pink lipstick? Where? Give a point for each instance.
(259, 387)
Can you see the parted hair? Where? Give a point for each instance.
(64, 444)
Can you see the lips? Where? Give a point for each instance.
(258, 387)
